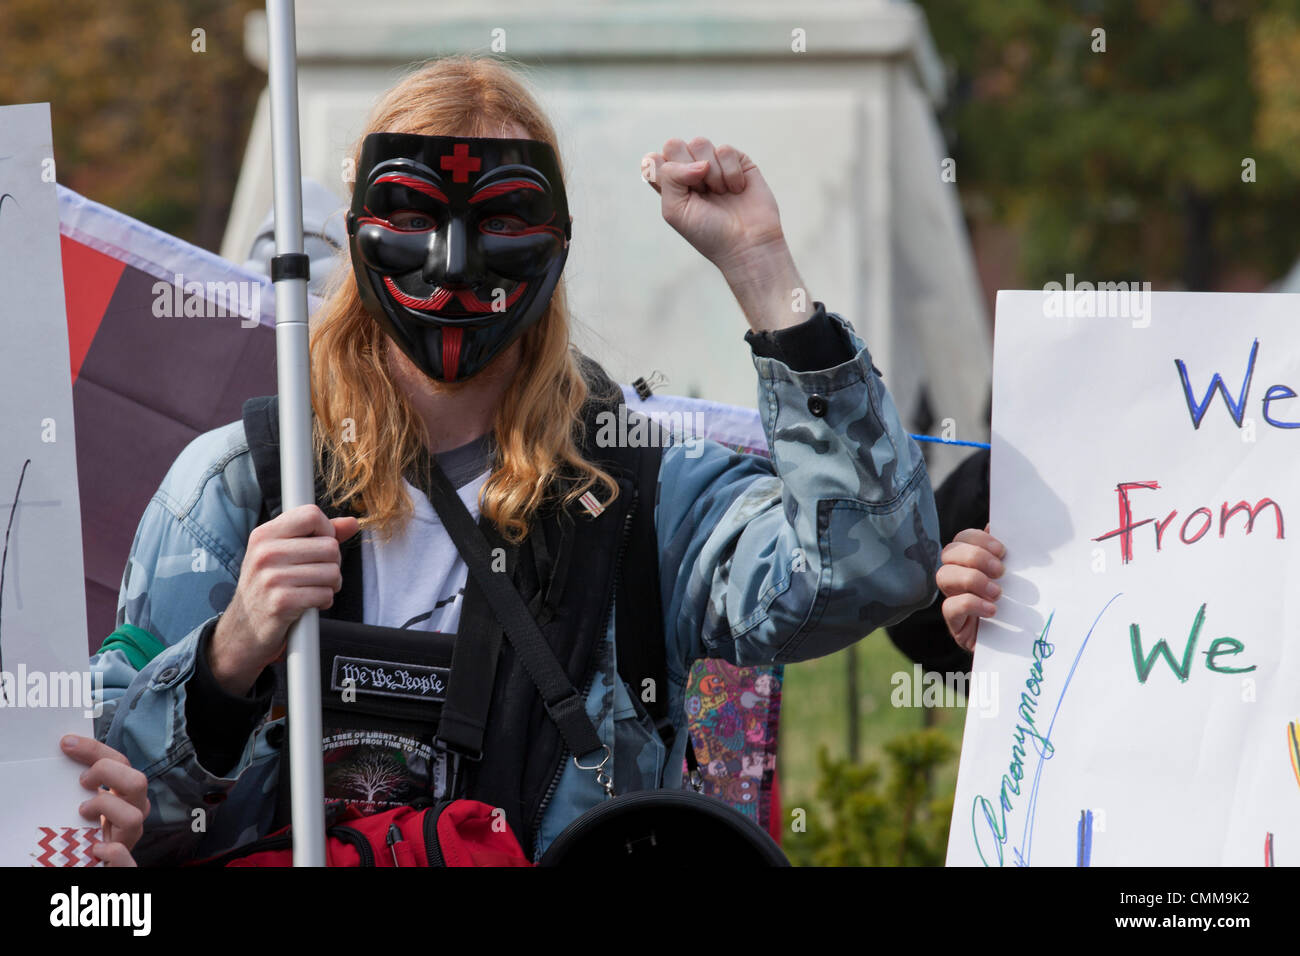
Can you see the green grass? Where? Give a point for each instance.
(814, 713)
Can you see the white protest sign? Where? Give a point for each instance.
(44, 684)
(1146, 483)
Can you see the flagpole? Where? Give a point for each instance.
(297, 479)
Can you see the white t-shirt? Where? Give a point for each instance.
(416, 579)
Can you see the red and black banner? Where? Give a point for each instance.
(166, 341)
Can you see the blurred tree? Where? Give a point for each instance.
(874, 821)
(1125, 161)
(149, 117)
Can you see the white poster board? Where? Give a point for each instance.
(1107, 747)
(44, 682)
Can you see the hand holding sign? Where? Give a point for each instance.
(971, 564)
(121, 801)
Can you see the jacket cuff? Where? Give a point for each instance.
(218, 722)
(816, 343)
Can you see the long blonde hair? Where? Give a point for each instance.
(365, 421)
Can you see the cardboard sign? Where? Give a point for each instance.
(1146, 650)
(45, 689)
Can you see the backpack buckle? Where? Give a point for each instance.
(474, 756)
(602, 776)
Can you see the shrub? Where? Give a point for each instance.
(868, 818)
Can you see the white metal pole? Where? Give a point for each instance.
(306, 774)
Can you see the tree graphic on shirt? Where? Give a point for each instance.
(372, 776)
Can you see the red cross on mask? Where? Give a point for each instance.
(461, 163)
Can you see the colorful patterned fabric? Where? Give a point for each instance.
(733, 713)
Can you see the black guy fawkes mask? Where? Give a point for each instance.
(457, 244)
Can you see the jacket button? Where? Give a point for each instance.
(275, 735)
(817, 405)
(167, 675)
(213, 797)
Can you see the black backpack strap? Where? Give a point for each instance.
(638, 608)
(639, 638)
(474, 661)
(563, 703)
(262, 430)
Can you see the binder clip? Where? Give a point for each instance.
(646, 385)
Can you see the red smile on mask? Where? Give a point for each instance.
(437, 302)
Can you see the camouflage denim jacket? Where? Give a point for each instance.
(761, 560)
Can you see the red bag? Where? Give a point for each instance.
(451, 833)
